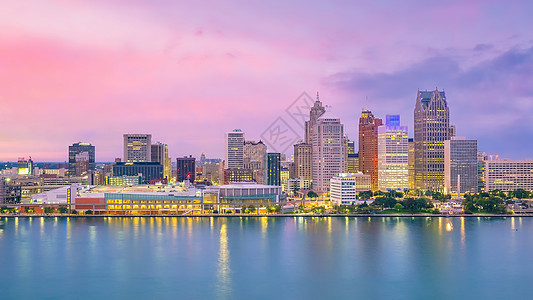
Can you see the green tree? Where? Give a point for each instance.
(4, 209)
(62, 209)
(398, 206)
(365, 195)
(312, 195)
(89, 212)
(49, 210)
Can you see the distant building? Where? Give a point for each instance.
(123, 180)
(328, 152)
(303, 161)
(74, 151)
(238, 175)
(411, 159)
(273, 169)
(460, 163)
(508, 175)
(368, 146)
(25, 167)
(212, 173)
(431, 129)
(148, 170)
(254, 155)
(159, 153)
(345, 187)
(10, 193)
(481, 158)
(82, 164)
(234, 149)
(137, 147)
(186, 169)
(393, 152)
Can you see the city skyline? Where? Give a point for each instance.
(98, 78)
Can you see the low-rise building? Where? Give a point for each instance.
(345, 187)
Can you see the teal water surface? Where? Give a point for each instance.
(266, 258)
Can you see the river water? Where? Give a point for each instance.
(265, 258)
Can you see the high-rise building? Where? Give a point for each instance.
(460, 166)
(76, 149)
(159, 153)
(316, 112)
(82, 164)
(411, 158)
(234, 149)
(328, 152)
(137, 147)
(346, 186)
(431, 129)
(303, 161)
(508, 175)
(481, 158)
(368, 146)
(393, 152)
(25, 166)
(254, 155)
(186, 168)
(273, 168)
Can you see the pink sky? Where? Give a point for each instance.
(187, 73)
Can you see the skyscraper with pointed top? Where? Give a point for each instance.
(431, 129)
(316, 112)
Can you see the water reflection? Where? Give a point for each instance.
(223, 270)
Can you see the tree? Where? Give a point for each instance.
(62, 209)
(312, 194)
(29, 209)
(49, 210)
(398, 206)
(365, 195)
(74, 212)
(89, 212)
(4, 209)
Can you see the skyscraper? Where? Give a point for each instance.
(368, 146)
(393, 151)
(411, 159)
(234, 149)
(137, 147)
(76, 149)
(431, 129)
(460, 165)
(273, 169)
(303, 161)
(186, 168)
(328, 152)
(254, 158)
(316, 112)
(159, 153)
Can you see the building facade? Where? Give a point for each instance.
(368, 146)
(185, 168)
(159, 153)
(328, 152)
(346, 186)
(149, 170)
(508, 175)
(393, 155)
(273, 169)
(254, 158)
(460, 166)
(234, 151)
(137, 147)
(303, 161)
(431, 129)
(75, 150)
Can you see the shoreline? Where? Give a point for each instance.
(275, 216)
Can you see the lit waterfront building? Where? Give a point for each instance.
(160, 154)
(411, 161)
(284, 175)
(328, 152)
(123, 180)
(368, 146)
(238, 175)
(149, 171)
(82, 164)
(393, 152)
(431, 129)
(346, 186)
(460, 163)
(137, 147)
(481, 158)
(234, 149)
(254, 155)
(508, 175)
(25, 166)
(296, 184)
(352, 158)
(76, 149)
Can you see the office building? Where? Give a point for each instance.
(79, 148)
(137, 147)
(159, 153)
(273, 169)
(328, 152)
(238, 175)
(149, 171)
(481, 158)
(303, 161)
(314, 114)
(411, 159)
(431, 129)
(254, 155)
(368, 146)
(460, 166)
(393, 155)
(508, 175)
(234, 158)
(346, 186)
(25, 166)
(186, 168)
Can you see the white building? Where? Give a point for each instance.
(137, 147)
(508, 175)
(328, 152)
(393, 155)
(234, 158)
(345, 187)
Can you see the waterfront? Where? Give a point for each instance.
(263, 258)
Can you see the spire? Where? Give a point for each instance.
(317, 97)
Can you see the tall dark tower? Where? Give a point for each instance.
(432, 128)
